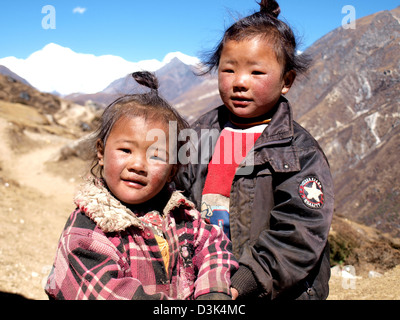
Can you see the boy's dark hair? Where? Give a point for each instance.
(264, 23)
(150, 106)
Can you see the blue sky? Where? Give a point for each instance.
(137, 29)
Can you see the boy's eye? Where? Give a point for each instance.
(227, 71)
(257, 73)
(124, 150)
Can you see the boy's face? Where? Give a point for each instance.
(250, 77)
(135, 167)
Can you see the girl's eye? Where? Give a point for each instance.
(257, 73)
(157, 158)
(125, 150)
(227, 71)
(157, 155)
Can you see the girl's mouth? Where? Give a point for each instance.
(134, 183)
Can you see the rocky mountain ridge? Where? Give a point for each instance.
(179, 84)
(12, 76)
(350, 102)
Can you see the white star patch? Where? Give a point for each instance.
(311, 192)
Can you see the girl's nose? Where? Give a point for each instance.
(138, 164)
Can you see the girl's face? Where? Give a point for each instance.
(250, 77)
(136, 165)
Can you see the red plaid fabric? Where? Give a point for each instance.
(127, 264)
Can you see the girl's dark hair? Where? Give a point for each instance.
(150, 106)
(264, 23)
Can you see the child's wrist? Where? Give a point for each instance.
(244, 281)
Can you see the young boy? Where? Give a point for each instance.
(263, 179)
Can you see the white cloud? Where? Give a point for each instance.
(79, 10)
(56, 68)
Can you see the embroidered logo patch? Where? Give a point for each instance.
(311, 192)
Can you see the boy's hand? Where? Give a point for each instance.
(234, 293)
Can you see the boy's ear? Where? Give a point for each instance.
(288, 80)
(100, 151)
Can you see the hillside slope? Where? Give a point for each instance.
(350, 102)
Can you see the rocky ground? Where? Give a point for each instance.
(384, 287)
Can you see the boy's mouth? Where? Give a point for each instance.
(240, 101)
(240, 98)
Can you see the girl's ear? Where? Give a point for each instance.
(288, 80)
(100, 151)
(172, 174)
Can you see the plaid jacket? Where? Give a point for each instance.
(106, 252)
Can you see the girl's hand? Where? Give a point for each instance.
(234, 293)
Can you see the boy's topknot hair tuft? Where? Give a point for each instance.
(264, 23)
(271, 7)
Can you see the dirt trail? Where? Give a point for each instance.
(30, 170)
(36, 200)
(35, 204)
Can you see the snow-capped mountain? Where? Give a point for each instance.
(60, 69)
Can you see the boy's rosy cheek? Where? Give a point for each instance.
(223, 87)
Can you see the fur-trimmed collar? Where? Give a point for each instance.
(110, 214)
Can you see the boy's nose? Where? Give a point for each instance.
(241, 82)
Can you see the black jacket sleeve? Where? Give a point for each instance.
(291, 248)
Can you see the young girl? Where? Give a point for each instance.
(131, 237)
(265, 180)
